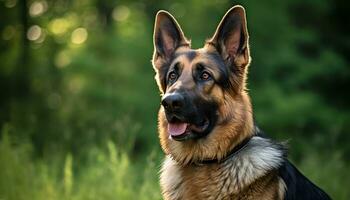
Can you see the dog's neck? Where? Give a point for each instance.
(257, 153)
(239, 147)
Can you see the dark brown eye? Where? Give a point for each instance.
(205, 76)
(172, 76)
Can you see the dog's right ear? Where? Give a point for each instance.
(167, 37)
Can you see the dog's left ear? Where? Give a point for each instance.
(231, 39)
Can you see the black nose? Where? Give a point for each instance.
(173, 102)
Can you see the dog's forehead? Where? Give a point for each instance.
(188, 57)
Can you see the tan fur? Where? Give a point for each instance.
(181, 175)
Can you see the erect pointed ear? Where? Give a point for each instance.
(231, 39)
(167, 35)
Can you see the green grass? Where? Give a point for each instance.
(108, 174)
(328, 171)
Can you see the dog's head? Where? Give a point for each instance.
(205, 109)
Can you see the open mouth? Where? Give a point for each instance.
(181, 131)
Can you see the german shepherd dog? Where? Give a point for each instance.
(206, 128)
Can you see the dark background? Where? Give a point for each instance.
(78, 101)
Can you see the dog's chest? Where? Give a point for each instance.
(245, 176)
(215, 182)
(206, 183)
(198, 182)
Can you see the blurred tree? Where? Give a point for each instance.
(105, 10)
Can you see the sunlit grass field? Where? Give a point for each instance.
(107, 173)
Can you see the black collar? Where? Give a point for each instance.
(230, 154)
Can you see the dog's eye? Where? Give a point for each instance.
(172, 76)
(205, 76)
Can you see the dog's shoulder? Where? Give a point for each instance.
(297, 185)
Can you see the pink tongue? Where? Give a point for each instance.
(176, 129)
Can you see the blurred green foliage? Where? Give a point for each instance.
(78, 105)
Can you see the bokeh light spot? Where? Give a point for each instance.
(58, 26)
(10, 3)
(34, 33)
(79, 36)
(121, 13)
(8, 33)
(62, 59)
(37, 8)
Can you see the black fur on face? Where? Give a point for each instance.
(197, 112)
